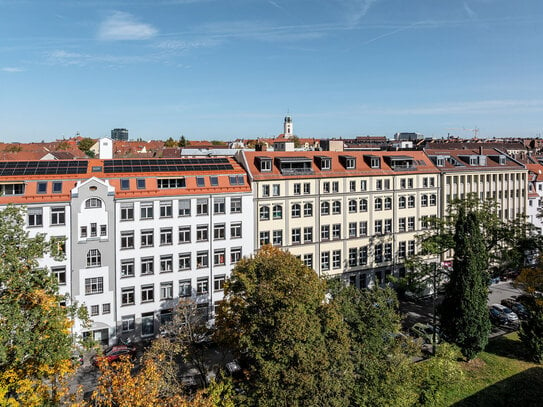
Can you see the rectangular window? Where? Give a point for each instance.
(325, 232)
(94, 310)
(308, 234)
(219, 206)
(335, 186)
(127, 240)
(297, 189)
(352, 186)
(140, 183)
(388, 251)
(308, 260)
(166, 290)
(147, 238)
(103, 230)
(353, 257)
(353, 227)
(236, 179)
(326, 187)
(184, 234)
(147, 293)
(202, 207)
(200, 182)
(171, 183)
(93, 229)
(276, 189)
(363, 256)
(125, 184)
(401, 225)
(106, 308)
(363, 185)
(296, 236)
(379, 253)
(411, 223)
(166, 209)
(218, 283)
(42, 187)
(265, 190)
(235, 205)
(219, 231)
(60, 274)
(202, 286)
(235, 230)
(363, 228)
(128, 323)
(388, 225)
(214, 181)
(127, 268)
(336, 231)
(147, 265)
(325, 260)
(94, 285)
(402, 249)
(146, 211)
(58, 216)
(127, 212)
(277, 237)
(184, 261)
(307, 188)
(378, 227)
(166, 263)
(202, 259)
(166, 236)
(184, 207)
(336, 259)
(235, 255)
(219, 257)
(185, 288)
(202, 234)
(411, 248)
(57, 187)
(35, 217)
(264, 238)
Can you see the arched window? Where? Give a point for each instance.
(433, 200)
(94, 258)
(411, 201)
(401, 202)
(277, 211)
(264, 213)
(388, 203)
(352, 206)
(424, 200)
(378, 204)
(308, 209)
(296, 211)
(363, 205)
(336, 207)
(93, 203)
(325, 208)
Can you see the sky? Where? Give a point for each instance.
(228, 69)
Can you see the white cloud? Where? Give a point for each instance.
(66, 58)
(12, 69)
(182, 45)
(124, 26)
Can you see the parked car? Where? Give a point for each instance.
(424, 331)
(516, 307)
(113, 353)
(496, 317)
(507, 312)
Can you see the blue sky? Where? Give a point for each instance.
(226, 69)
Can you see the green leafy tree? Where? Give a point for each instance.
(463, 312)
(381, 356)
(170, 143)
(35, 340)
(292, 342)
(85, 144)
(531, 329)
(183, 142)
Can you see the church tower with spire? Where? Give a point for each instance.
(287, 127)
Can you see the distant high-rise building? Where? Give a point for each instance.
(119, 134)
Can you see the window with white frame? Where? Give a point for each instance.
(127, 211)
(411, 223)
(147, 238)
(128, 323)
(264, 238)
(411, 248)
(218, 283)
(336, 207)
(276, 189)
(146, 211)
(265, 190)
(363, 228)
(353, 228)
(202, 233)
(325, 232)
(219, 231)
(166, 263)
(106, 308)
(127, 268)
(308, 260)
(308, 234)
(353, 257)
(235, 205)
(378, 204)
(94, 285)
(235, 230)
(388, 203)
(264, 213)
(401, 225)
(277, 211)
(325, 260)
(235, 255)
(378, 227)
(363, 185)
(296, 210)
(424, 200)
(433, 199)
(277, 237)
(325, 208)
(58, 216)
(202, 207)
(166, 236)
(166, 209)
(94, 258)
(184, 234)
(353, 205)
(411, 201)
(166, 290)
(307, 188)
(297, 189)
(308, 209)
(296, 236)
(147, 265)
(93, 203)
(184, 261)
(219, 257)
(326, 187)
(35, 217)
(202, 286)
(185, 288)
(202, 259)
(402, 202)
(335, 186)
(336, 259)
(219, 206)
(336, 231)
(363, 256)
(352, 186)
(184, 207)
(147, 293)
(59, 273)
(388, 226)
(402, 249)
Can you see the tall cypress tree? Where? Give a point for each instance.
(464, 314)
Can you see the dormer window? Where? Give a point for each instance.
(473, 160)
(373, 161)
(324, 163)
(349, 162)
(502, 160)
(264, 164)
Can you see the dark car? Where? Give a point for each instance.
(517, 307)
(497, 317)
(113, 353)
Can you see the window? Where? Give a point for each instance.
(202, 207)
(202, 233)
(219, 257)
(106, 308)
(388, 203)
(352, 186)
(218, 283)
(235, 255)
(352, 206)
(202, 286)
(411, 201)
(184, 261)
(335, 186)
(103, 230)
(140, 183)
(379, 184)
(353, 257)
(93, 203)
(219, 206)
(296, 210)
(128, 323)
(264, 238)
(363, 206)
(378, 227)
(184, 207)
(147, 265)
(94, 285)
(410, 183)
(214, 181)
(35, 217)
(308, 234)
(336, 259)
(235, 230)
(308, 209)
(433, 199)
(388, 225)
(325, 261)
(297, 189)
(424, 200)
(200, 182)
(277, 237)
(265, 190)
(387, 184)
(147, 238)
(185, 288)
(411, 223)
(147, 293)
(402, 249)
(264, 213)
(307, 188)
(336, 231)
(127, 212)
(236, 179)
(146, 211)
(58, 216)
(265, 165)
(411, 248)
(202, 259)
(42, 187)
(166, 263)
(388, 252)
(277, 212)
(276, 189)
(83, 231)
(57, 187)
(125, 184)
(363, 256)
(296, 235)
(127, 268)
(235, 205)
(219, 231)
(363, 228)
(94, 310)
(379, 253)
(326, 187)
(94, 258)
(353, 227)
(363, 185)
(60, 274)
(325, 232)
(325, 208)
(166, 209)
(93, 229)
(378, 204)
(401, 225)
(127, 240)
(166, 236)
(401, 202)
(308, 260)
(336, 207)
(166, 290)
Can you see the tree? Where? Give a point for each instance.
(170, 143)
(85, 144)
(35, 341)
(464, 314)
(183, 142)
(381, 357)
(531, 329)
(292, 343)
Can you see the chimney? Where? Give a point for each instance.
(480, 150)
